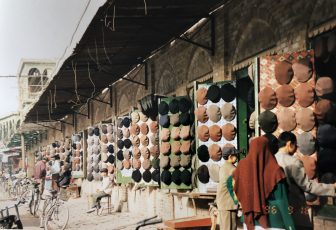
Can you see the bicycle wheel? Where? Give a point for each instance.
(26, 195)
(57, 217)
(36, 204)
(31, 203)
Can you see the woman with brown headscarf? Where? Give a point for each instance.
(258, 183)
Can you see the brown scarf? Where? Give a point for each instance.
(255, 178)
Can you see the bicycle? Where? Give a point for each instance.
(8, 221)
(34, 195)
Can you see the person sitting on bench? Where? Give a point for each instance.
(105, 190)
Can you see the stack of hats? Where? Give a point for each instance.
(124, 146)
(93, 156)
(216, 130)
(176, 140)
(144, 136)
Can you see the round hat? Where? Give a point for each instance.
(110, 159)
(184, 104)
(134, 129)
(326, 160)
(120, 134)
(175, 161)
(174, 106)
(156, 163)
(154, 139)
(126, 164)
(147, 176)
(252, 120)
(163, 108)
(96, 131)
(127, 143)
(286, 119)
(110, 138)
(229, 131)
(201, 114)
(164, 121)
(90, 177)
(119, 122)
(305, 119)
(175, 147)
(104, 129)
(165, 148)
(136, 176)
(203, 133)
(228, 92)
(185, 161)
(203, 153)
(203, 174)
(154, 150)
(136, 141)
(156, 175)
(185, 147)
(136, 152)
(215, 133)
(273, 142)
(154, 126)
(304, 94)
(267, 98)
(144, 128)
(126, 122)
(321, 48)
(214, 113)
(110, 148)
(119, 165)
(303, 70)
(283, 72)
(215, 152)
(120, 155)
(214, 172)
(285, 95)
(325, 111)
(228, 111)
(143, 117)
(127, 154)
(306, 143)
(146, 164)
(326, 136)
(185, 119)
(120, 144)
(268, 121)
(201, 96)
(126, 133)
(90, 131)
(109, 128)
(103, 148)
(331, 44)
(186, 177)
(324, 86)
(144, 140)
(165, 134)
(78, 146)
(96, 168)
(175, 133)
(174, 119)
(214, 93)
(166, 177)
(176, 177)
(185, 132)
(145, 152)
(135, 117)
(229, 149)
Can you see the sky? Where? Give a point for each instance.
(36, 29)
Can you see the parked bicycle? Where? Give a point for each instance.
(32, 195)
(8, 221)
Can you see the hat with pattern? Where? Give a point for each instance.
(304, 94)
(134, 129)
(164, 162)
(285, 95)
(286, 119)
(283, 72)
(303, 70)
(153, 126)
(175, 133)
(154, 139)
(165, 148)
(154, 150)
(136, 141)
(214, 113)
(267, 98)
(185, 132)
(215, 133)
(165, 134)
(228, 111)
(305, 119)
(135, 116)
(185, 147)
(175, 119)
(201, 96)
(144, 128)
(126, 133)
(175, 161)
(229, 131)
(203, 133)
(136, 152)
(126, 163)
(127, 154)
(215, 152)
(201, 114)
(145, 153)
(144, 140)
(185, 161)
(175, 147)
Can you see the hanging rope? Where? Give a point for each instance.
(94, 86)
(113, 18)
(104, 46)
(74, 68)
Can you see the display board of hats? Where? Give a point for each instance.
(216, 123)
(176, 142)
(145, 161)
(287, 98)
(124, 150)
(325, 110)
(93, 154)
(77, 156)
(64, 150)
(107, 147)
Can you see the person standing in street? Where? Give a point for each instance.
(55, 171)
(40, 171)
(227, 209)
(298, 181)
